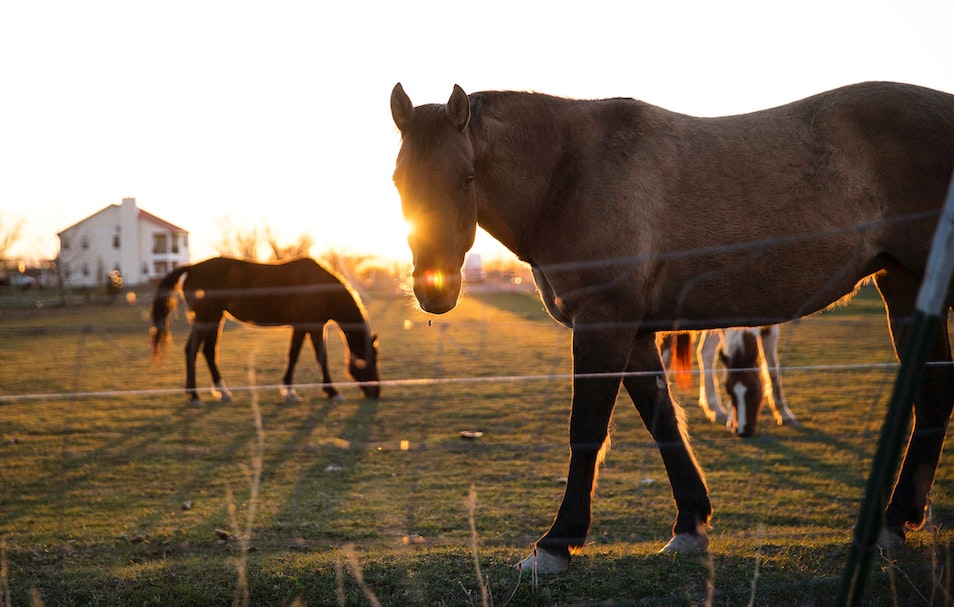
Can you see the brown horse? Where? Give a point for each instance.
(301, 293)
(613, 203)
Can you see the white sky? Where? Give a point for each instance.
(277, 113)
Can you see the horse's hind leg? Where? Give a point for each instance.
(665, 421)
(783, 415)
(210, 351)
(709, 399)
(287, 389)
(932, 409)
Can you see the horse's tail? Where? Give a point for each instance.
(682, 359)
(162, 306)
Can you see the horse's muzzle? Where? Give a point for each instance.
(437, 290)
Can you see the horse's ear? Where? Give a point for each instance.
(402, 110)
(458, 108)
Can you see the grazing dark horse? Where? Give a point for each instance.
(750, 357)
(613, 203)
(301, 293)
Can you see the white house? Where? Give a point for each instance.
(122, 238)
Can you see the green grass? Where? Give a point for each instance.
(113, 492)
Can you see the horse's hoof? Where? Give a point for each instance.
(889, 540)
(716, 417)
(336, 398)
(225, 398)
(194, 403)
(292, 397)
(543, 563)
(687, 543)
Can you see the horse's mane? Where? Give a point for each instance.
(355, 296)
(423, 132)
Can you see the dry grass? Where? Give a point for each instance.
(364, 499)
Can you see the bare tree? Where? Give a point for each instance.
(299, 248)
(241, 243)
(247, 243)
(10, 234)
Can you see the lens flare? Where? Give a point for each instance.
(434, 279)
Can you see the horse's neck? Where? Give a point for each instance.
(358, 336)
(353, 322)
(515, 157)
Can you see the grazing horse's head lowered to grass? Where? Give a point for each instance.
(743, 379)
(612, 202)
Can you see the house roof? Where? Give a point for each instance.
(143, 215)
(162, 222)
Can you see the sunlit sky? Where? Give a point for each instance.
(277, 113)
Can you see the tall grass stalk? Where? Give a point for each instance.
(339, 582)
(6, 600)
(940, 574)
(471, 510)
(758, 562)
(355, 568)
(244, 537)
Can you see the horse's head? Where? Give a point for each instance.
(435, 177)
(743, 380)
(363, 367)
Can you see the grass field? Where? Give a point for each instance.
(113, 492)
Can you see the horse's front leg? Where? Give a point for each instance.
(709, 399)
(594, 395)
(783, 415)
(646, 384)
(191, 353)
(294, 349)
(321, 353)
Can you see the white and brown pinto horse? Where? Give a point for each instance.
(750, 355)
(612, 203)
(750, 358)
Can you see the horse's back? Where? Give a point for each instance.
(282, 293)
(797, 203)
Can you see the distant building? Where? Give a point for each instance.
(121, 238)
(474, 268)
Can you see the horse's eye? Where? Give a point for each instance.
(468, 181)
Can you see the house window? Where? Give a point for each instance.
(159, 244)
(175, 244)
(161, 267)
(115, 241)
(65, 242)
(85, 242)
(85, 269)
(145, 269)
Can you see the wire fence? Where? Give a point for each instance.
(80, 402)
